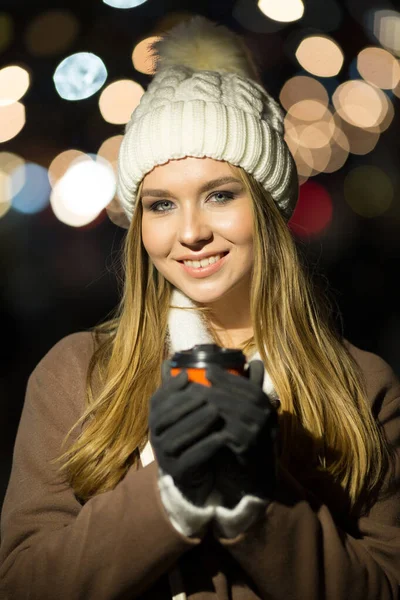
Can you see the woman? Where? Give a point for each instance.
(226, 509)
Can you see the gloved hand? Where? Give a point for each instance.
(247, 463)
(185, 432)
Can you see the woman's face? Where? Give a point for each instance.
(197, 206)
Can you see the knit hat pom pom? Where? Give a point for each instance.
(202, 45)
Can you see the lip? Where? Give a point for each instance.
(200, 272)
(201, 256)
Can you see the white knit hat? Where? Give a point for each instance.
(204, 102)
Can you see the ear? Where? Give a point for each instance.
(256, 372)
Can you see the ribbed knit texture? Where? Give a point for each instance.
(223, 116)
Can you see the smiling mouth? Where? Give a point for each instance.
(221, 256)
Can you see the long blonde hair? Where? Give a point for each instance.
(326, 425)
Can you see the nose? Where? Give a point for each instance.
(194, 227)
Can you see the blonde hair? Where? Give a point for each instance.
(326, 426)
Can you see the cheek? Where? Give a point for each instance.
(155, 237)
(237, 227)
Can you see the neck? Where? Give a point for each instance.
(230, 316)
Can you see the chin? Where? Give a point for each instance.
(203, 295)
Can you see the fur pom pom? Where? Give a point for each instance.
(202, 45)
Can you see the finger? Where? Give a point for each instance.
(173, 384)
(202, 451)
(173, 409)
(233, 408)
(220, 377)
(190, 429)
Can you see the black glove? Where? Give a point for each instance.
(247, 463)
(185, 432)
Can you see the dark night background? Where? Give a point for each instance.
(56, 279)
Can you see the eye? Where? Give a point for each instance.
(223, 197)
(154, 207)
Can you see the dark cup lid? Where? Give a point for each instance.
(201, 355)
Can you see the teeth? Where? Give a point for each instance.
(202, 263)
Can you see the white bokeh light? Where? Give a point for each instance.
(79, 76)
(284, 11)
(124, 3)
(84, 191)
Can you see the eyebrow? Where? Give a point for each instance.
(157, 193)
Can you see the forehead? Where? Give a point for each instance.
(188, 170)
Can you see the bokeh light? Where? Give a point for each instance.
(12, 120)
(386, 27)
(303, 88)
(360, 104)
(142, 55)
(320, 55)
(249, 16)
(83, 192)
(124, 3)
(284, 11)
(9, 162)
(119, 99)
(6, 30)
(313, 212)
(109, 150)
(51, 32)
(358, 140)
(14, 82)
(379, 67)
(368, 190)
(33, 197)
(5, 193)
(61, 163)
(79, 76)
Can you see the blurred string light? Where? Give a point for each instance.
(118, 100)
(79, 76)
(379, 67)
(33, 194)
(298, 91)
(142, 55)
(320, 55)
(12, 120)
(8, 163)
(14, 82)
(284, 11)
(109, 150)
(5, 193)
(359, 140)
(51, 32)
(313, 212)
(368, 190)
(83, 191)
(124, 3)
(386, 28)
(361, 104)
(61, 163)
(6, 30)
(320, 136)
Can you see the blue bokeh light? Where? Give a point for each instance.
(79, 76)
(34, 195)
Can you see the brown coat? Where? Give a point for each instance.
(120, 545)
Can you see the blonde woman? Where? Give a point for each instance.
(125, 481)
